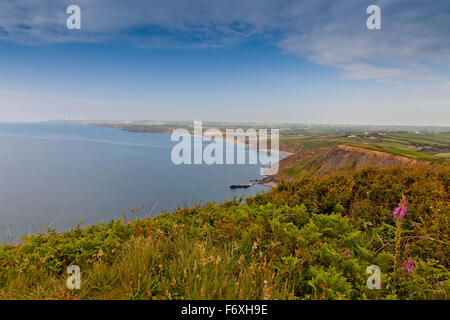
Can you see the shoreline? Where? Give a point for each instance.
(266, 181)
(133, 128)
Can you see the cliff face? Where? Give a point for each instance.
(340, 157)
(348, 157)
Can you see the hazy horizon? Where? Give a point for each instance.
(233, 122)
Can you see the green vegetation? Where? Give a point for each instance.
(427, 146)
(311, 238)
(427, 143)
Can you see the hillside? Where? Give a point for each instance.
(325, 160)
(311, 238)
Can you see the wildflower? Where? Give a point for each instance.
(396, 212)
(347, 253)
(411, 266)
(403, 211)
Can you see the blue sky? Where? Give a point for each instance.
(287, 61)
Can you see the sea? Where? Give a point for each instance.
(58, 174)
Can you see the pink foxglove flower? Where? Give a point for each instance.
(411, 266)
(403, 211)
(396, 212)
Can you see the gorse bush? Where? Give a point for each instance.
(312, 238)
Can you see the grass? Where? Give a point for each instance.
(411, 153)
(418, 146)
(181, 268)
(289, 243)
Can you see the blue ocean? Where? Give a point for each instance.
(56, 174)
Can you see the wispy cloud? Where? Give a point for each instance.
(333, 33)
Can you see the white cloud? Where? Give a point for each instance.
(332, 33)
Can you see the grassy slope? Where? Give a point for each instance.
(425, 146)
(290, 243)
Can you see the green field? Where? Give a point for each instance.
(427, 143)
(414, 145)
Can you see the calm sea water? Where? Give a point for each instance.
(56, 174)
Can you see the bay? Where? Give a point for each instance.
(56, 174)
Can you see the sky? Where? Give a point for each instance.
(235, 60)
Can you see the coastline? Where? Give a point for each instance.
(266, 181)
(94, 174)
(146, 128)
